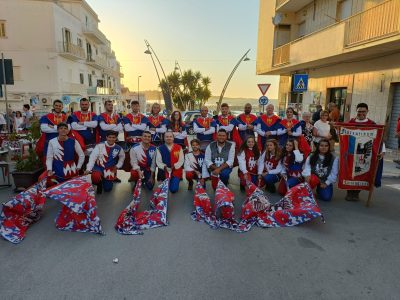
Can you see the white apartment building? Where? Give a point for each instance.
(350, 50)
(58, 52)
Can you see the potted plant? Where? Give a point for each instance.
(27, 170)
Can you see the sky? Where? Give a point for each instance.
(209, 36)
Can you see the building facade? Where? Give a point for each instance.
(58, 52)
(350, 50)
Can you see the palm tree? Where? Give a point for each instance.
(188, 90)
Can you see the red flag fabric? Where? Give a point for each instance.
(20, 212)
(203, 211)
(132, 222)
(79, 210)
(297, 207)
(359, 148)
(224, 209)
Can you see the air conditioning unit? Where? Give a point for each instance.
(277, 19)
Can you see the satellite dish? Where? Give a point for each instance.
(277, 19)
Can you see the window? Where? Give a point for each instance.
(79, 42)
(282, 35)
(81, 78)
(302, 29)
(2, 29)
(343, 10)
(90, 79)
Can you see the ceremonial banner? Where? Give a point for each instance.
(79, 210)
(224, 209)
(359, 148)
(203, 211)
(21, 211)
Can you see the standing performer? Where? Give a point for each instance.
(270, 166)
(194, 163)
(143, 162)
(157, 125)
(219, 159)
(289, 127)
(247, 158)
(246, 122)
(48, 127)
(361, 118)
(104, 161)
(61, 156)
(229, 123)
(307, 127)
(170, 160)
(267, 126)
(135, 124)
(321, 170)
(204, 126)
(178, 128)
(109, 121)
(84, 122)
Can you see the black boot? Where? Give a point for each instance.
(99, 188)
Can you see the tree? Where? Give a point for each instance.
(189, 90)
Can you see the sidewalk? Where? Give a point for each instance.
(389, 167)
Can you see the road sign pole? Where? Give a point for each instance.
(5, 92)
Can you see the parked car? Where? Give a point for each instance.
(189, 116)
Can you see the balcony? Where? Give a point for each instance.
(363, 27)
(359, 36)
(91, 31)
(71, 51)
(97, 62)
(282, 55)
(94, 91)
(291, 5)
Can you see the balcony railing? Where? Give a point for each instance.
(71, 50)
(93, 32)
(97, 62)
(282, 55)
(375, 23)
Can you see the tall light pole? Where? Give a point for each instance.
(243, 58)
(138, 82)
(166, 91)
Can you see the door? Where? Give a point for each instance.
(338, 96)
(67, 39)
(392, 142)
(343, 10)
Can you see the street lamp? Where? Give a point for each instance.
(243, 58)
(138, 82)
(167, 91)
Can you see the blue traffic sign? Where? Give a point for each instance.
(300, 82)
(66, 99)
(263, 100)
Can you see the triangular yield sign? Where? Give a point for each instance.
(264, 87)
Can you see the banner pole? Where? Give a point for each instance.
(371, 190)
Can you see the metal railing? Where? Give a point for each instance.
(375, 23)
(282, 55)
(72, 49)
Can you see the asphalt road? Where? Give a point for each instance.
(355, 255)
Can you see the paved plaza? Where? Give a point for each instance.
(354, 255)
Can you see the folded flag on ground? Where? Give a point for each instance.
(79, 210)
(223, 214)
(297, 207)
(21, 211)
(132, 222)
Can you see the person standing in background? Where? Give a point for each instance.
(317, 114)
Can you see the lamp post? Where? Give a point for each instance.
(138, 82)
(166, 91)
(243, 58)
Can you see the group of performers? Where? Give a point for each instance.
(268, 151)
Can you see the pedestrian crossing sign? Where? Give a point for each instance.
(300, 82)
